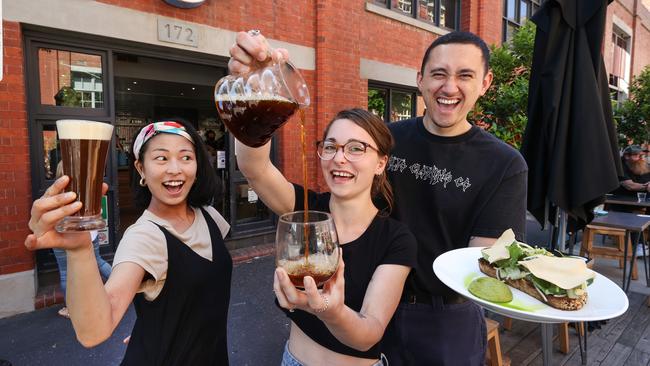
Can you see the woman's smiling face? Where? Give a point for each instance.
(169, 168)
(349, 178)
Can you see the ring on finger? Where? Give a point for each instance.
(326, 300)
(254, 32)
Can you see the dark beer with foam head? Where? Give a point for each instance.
(84, 148)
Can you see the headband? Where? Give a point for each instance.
(155, 128)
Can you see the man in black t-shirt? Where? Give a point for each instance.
(455, 186)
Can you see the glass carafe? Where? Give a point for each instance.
(254, 105)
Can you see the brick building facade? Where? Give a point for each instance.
(347, 51)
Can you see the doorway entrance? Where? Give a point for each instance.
(77, 76)
(149, 89)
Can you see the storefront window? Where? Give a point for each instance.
(249, 206)
(70, 79)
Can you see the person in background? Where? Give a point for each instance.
(172, 263)
(60, 255)
(212, 142)
(636, 173)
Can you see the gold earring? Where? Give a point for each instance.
(142, 182)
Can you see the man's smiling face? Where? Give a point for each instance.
(453, 80)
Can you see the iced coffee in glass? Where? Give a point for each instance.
(84, 148)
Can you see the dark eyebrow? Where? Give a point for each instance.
(467, 71)
(332, 139)
(438, 69)
(167, 150)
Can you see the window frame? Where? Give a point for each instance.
(34, 79)
(531, 6)
(415, 4)
(389, 88)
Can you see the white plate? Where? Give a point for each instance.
(457, 268)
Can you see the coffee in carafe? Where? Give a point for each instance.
(254, 105)
(253, 119)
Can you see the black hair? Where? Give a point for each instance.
(459, 37)
(203, 190)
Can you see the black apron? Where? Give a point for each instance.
(186, 323)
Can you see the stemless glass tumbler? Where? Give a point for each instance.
(307, 245)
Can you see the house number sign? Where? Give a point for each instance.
(173, 31)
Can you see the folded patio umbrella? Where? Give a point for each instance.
(570, 141)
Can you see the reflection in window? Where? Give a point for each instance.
(70, 79)
(427, 10)
(249, 207)
(405, 6)
(442, 13)
(448, 14)
(377, 102)
(401, 105)
(51, 154)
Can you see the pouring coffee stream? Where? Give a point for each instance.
(253, 106)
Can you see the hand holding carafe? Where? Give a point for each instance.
(255, 104)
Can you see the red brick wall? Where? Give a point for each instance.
(288, 20)
(624, 10)
(642, 40)
(15, 192)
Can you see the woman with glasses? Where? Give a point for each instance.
(343, 323)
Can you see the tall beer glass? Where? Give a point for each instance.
(84, 147)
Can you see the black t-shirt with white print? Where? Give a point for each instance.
(448, 189)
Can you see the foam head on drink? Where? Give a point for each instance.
(84, 148)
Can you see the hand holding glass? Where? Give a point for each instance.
(84, 147)
(307, 245)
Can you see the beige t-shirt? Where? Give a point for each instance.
(144, 244)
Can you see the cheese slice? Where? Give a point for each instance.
(564, 272)
(498, 250)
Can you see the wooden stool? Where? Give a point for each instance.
(588, 249)
(563, 333)
(494, 347)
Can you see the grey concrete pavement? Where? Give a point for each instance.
(257, 330)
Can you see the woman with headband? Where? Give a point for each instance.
(172, 262)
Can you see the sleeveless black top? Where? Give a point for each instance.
(186, 323)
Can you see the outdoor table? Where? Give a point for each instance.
(458, 268)
(629, 222)
(618, 199)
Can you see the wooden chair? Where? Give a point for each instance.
(588, 249)
(494, 347)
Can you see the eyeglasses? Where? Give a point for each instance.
(352, 150)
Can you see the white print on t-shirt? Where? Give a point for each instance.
(428, 173)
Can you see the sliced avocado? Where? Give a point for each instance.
(490, 289)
